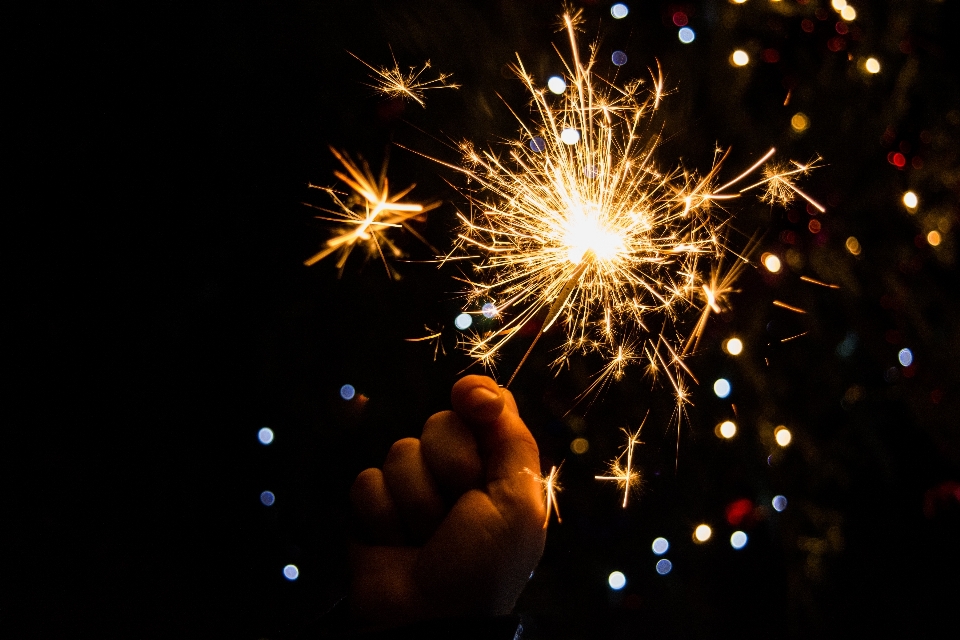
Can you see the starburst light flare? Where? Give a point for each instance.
(369, 212)
(394, 83)
(622, 470)
(578, 223)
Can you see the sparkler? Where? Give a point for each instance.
(550, 490)
(579, 223)
(624, 474)
(370, 211)
(392, 82)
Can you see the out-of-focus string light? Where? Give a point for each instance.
(848, 13)
(664, 566)
(727, 429)
(734, 346)
(872, 65)
(934, 238)
(557, 85)
(347, 392)
(702, 533)
(910, 200)
(267, 498)
(291, 572)
(580, 446)
(463, 321)
(783, 436)
(686, 35)
(739, 58)
(838, 5)
(265, 435)
(771, 262)
(800, 122)
(853, 246)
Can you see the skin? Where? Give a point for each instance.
(452, 525)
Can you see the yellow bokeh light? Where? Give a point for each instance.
(934, 238)
(853, 246)
(800, 122)
(848, 13)
(739, 1)
(910, 200)
(771, 262)
(838, 4)
(740, 57)
(579, 446)
(702, 533)
(873, 65)
(734, 346)
(782, 436)
(728, 429)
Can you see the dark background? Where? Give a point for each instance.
(159, 314)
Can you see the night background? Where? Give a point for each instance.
(159, 316)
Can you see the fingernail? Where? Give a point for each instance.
(485, 403)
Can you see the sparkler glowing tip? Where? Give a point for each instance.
(622, 471)
(550, 490)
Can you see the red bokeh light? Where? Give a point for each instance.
(738, 510)
(896, 159)
(680, 19)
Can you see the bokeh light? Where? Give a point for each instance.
(489, 310)
(660, 546)
(779, 503)
(800, 122)
(740, 58)
(680, 19)
(463, 321)
(872, 65)
(853, 246)
(783, 436)
(933, 238)
(771, 262)
(734, 346)
(265, 435)
(738, 540)
(580, 446)
(686, 35)
(537, 144)
(702, 533)
(619, 58)
(664, 566)
(267, 498)
(556, 84)
(728, 429)
(570, 136)
(848, 13)
(619, 10)
(290, 572)
(838, 5)
(905, 356)
(617, 580)
(347, 392)
(722, 387)
(910, 200)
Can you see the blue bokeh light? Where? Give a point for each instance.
(722, 387)
(619, 10)
(617, 581)
(660, 546)
(537, 144)
(738, 540)
(463, 321)
(619, 58)
(779, 503)
(557, 85)
(290, 572)
(265, 435)
(905, 357)
(489, 310)
(347, 392)
(686, 35)
(267, 498)
(664, 566)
